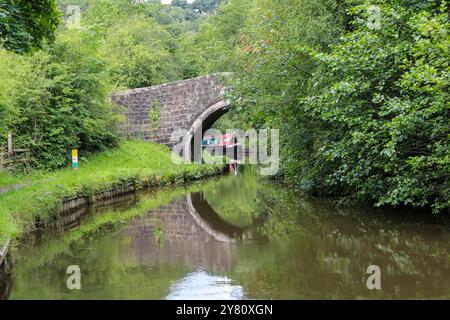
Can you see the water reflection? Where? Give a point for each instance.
(240, 237)
(199, 285)
(178, 234)
(207, 217)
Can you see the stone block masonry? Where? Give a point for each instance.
(153, 113)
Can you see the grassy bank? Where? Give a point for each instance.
(7, 179)
(42, 193)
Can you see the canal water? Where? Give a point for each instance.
(236, 237)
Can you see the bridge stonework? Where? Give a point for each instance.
(153, 113)
(183, 239)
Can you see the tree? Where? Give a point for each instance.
(204, 6)
(57, 99)
(24, 24)
(363, 109)
(385, 93)
(211, 49)
(139, 53)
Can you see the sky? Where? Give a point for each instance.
(169, 1)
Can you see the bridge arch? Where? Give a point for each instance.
(155, 113)
(202, 123)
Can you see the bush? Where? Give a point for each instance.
(56, 100)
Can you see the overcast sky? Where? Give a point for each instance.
(169, 1)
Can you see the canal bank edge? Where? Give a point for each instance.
(4, 251)
(72, 208)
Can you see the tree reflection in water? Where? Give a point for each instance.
(241, 237)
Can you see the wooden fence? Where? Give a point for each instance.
(11, 158)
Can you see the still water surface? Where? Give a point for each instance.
(237, 238)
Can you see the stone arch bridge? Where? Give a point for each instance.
(155, 113)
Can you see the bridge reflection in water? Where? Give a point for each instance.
(188, 232)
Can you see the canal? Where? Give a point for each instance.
(236, 237)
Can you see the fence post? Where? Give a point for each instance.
(10, 145)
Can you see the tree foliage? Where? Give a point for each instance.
(364, 111)
(57, 100)
(24, 24)
(211, 48)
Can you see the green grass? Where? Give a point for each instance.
(41, 196)
(7, 179)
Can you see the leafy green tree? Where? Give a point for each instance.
(57, 100)
(24, 24)
(384, 91)
(140, 54)
(274, 71)
(211, 48)
(363, 108)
